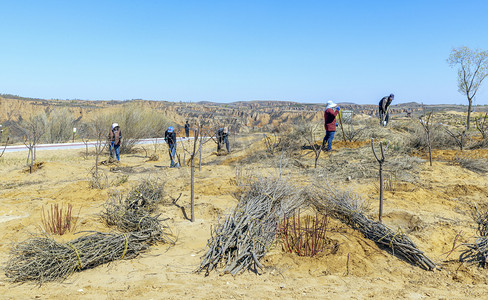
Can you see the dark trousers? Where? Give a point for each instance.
(329, 136)
(172, 153)
(384, 117)
(223, 140)
(114, 149)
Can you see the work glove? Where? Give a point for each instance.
(338, 108)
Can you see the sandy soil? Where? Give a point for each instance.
(432, 211)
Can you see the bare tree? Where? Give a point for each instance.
(473, 69)
(31, 131)
(482, 125)
(310, 137)
(459, 137)
(97, 129)
(85, 134)
(381, 161)
(427, 125)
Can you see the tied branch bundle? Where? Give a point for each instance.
(245, 236)
(43, 259)
(349, 208)
(477, 252)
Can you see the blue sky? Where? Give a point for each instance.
(225, 51)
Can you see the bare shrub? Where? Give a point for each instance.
(58, 221)
(439, 138)
(305, 236)
(59, 125)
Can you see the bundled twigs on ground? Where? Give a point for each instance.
(43, 259)
(148, 194)
(350, 208)
(244, 237)
(127, 217)
(477, 252)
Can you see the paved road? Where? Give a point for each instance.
(77, 145)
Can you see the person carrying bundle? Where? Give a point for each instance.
(170, 139)
(383, 109)
(223, 138)
(115, 137)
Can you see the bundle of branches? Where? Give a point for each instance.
(477, 252)
(127, 216)
(44, 259)
(148, 194)
(350, 208)
(248, 231)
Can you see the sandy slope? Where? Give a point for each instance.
(433, 210)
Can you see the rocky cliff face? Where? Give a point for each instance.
(239, 116)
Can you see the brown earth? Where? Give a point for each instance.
(433, 210)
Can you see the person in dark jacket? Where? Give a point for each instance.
(170, 139)
(330, 124)
(383, 109)
(187, 129)
(115, 137)
(223, 138)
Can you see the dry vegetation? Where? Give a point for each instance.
(247, 217)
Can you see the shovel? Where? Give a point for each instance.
(342, 127)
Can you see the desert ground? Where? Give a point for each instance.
(432, 204)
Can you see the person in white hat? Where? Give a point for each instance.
(330, 124)
(115, 138)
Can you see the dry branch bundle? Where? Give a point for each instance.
(148, 195)
(349, 208)
(477, 252)
(249, 230)
(43, 259)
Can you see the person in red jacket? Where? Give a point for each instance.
(330, 124)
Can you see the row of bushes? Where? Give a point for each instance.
(56, 126)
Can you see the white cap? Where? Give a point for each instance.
(330, 104)
(114, 125)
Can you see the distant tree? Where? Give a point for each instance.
(31, 130)
(473, 69)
